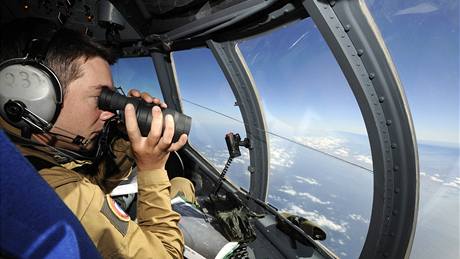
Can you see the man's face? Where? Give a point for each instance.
(80, 114)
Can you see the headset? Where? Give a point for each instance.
(30, 92)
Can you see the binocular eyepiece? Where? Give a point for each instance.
(113, 101)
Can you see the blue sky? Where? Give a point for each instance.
(423, 39)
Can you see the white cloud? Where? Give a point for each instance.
(280, 156)
(452, 184)
(357, 217)
(418, 9)
(363, 158)
(422, 173)
(289, 190)
(311, 181)
(276, 198)
(318, 219)
(436, 179)
(313, 198)
(342, 152)
(322, 143)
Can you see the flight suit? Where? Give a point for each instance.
(156, 233)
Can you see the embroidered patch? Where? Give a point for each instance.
(115, 214)
(117, 210)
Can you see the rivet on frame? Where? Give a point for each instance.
(347, 27)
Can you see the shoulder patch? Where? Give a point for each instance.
(115, 214)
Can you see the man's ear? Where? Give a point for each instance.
(105, 115)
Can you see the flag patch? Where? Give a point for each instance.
(115, 214)
(117, 210)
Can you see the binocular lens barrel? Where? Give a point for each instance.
(113, 101)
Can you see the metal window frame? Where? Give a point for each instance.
(242, 84)
(353, 37)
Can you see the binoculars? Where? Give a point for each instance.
(115, 102)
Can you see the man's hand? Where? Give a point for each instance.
(146, 97)
(151, 152)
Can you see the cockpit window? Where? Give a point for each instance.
(136, 73)
(428, 66)
(208, 99)
(320, 159)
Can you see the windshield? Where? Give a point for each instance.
(423, 39)
(320, 162)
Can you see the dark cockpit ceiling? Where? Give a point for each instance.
(163, 25)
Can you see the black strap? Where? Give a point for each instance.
(39, 163)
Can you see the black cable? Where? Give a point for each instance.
(282, 137)
(222, 175)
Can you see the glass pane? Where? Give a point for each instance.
(136, 73)
(423, 39)
(208, 99)
(320, 154)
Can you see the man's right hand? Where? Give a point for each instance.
(152, 152)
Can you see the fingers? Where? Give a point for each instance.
(146, 97)
(168, 134)
(131, 124)
(156, 127)
(179, 144)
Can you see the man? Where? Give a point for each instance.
(83, 70)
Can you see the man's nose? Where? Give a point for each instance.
(105, 115)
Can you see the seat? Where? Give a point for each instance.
(34, 222)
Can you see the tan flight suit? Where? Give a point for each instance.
(156, 233)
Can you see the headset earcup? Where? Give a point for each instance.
(34, 85)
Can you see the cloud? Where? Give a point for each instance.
(418, 9)
(455, 183)
(363, 158)
(341, 152)
(280, 156)
(322, 143)
(422, 173)
(452, 184)
(357, 217)
(289, 190)
(435, 178)
(313, 198)
(311, 181)
(318, 219)
(276, 198)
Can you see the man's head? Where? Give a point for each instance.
(82, 67)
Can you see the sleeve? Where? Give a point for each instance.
(156, 235)
(154, 212)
